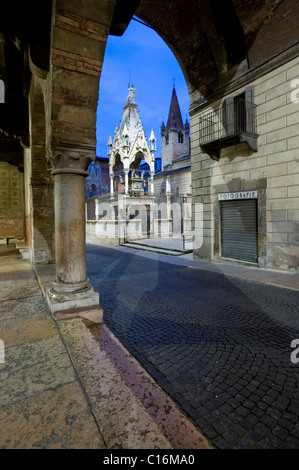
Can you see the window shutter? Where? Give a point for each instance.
(249, 109)
(229, 116)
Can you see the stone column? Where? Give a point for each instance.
(168, 187)
(126, 171)
(152, 183)
(111, 184)
(71, 288)
(96, 209)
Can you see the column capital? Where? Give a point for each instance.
(71, 163)
(70, 159)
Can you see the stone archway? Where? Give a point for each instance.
(79, 37)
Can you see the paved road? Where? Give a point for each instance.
(219, 346)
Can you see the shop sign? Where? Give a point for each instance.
(238, 195)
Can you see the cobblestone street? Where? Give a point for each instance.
(220, 346)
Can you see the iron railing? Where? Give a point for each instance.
(232, 118)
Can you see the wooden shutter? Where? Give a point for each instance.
(249, 109)
(229, 117)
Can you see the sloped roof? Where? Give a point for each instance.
(174, 117)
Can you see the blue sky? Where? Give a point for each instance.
(143, 58)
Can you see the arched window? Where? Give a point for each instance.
(180, 138)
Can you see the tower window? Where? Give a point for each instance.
(180, 138)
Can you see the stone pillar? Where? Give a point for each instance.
(152, 183)
(126, 171)
(111, 184)
(96, 209)
(71, 288)
(168, 187)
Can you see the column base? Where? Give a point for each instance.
(62, 297)
(91, 315)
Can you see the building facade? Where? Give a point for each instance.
(245, 158)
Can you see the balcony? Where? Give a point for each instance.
(232, 124)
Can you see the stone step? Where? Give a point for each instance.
(164, 251)
(8, 250)
(23, 249)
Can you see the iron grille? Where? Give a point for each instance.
(234, 117)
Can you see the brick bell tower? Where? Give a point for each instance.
(175, 136)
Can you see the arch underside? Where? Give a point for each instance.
(216, 41)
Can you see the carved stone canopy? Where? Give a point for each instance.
(129, 143)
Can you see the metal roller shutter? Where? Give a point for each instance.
(239, 229)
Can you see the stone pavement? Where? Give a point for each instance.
(216, 337)
(153, 247)
(69, 383)
(206, 361)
